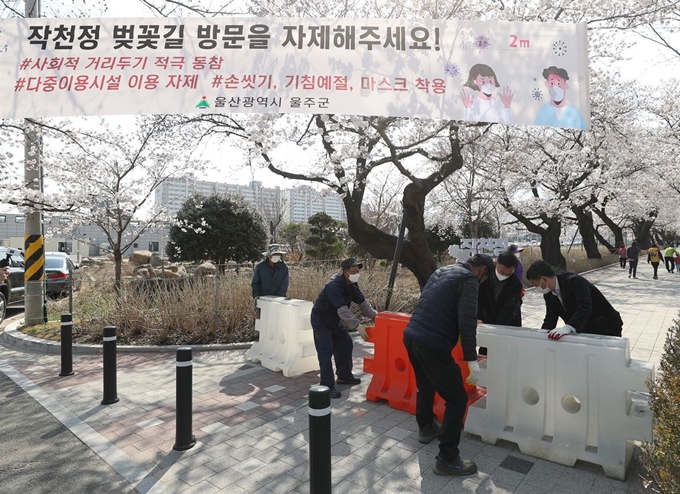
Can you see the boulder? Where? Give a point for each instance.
(140, 257)
(205, 269)
(156, 260)
(170, 274)
(142, 273)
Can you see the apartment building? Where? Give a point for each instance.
(295, 205)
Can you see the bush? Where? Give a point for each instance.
(661, 457)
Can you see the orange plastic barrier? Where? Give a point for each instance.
(393, 378)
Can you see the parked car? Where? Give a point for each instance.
(59, 271)
(12, 290)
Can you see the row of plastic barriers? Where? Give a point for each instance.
(580, 398)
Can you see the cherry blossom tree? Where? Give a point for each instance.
(110, 175)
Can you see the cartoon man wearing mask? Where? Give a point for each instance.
(558, 113)
(484, 106)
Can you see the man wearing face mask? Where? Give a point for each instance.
(557, 112)
(446, 316)
(332, 318)
(578, 302)
(271, 275)
(500, 296)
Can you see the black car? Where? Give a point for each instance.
(59, 270)
(12, 290)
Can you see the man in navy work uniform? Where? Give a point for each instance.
(331, 320)
(446, 315)
(271, 275)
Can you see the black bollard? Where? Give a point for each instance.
(110, 386)
(319, 440)
(66, 345)
(183, 438)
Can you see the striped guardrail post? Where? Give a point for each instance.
(184, 439)
(66, 345)
(319, 440)
(110, 385)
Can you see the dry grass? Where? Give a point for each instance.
(220, 309)
(200, 310)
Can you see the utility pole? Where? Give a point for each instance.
(34, 248)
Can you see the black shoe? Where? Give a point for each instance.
(335, 393)
(629, 275)
(429, 432)
(348, 380)
(458, 466)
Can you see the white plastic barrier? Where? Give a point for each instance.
(579, 398)
(286, 339)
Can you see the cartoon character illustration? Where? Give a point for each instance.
(558, 113)
(484, 106)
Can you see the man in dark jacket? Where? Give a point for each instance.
(271, 275)
(578, 302)
(500, 296)
(331, 318)
(445, 315)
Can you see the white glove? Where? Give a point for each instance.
(474, 372)
(362, 331)
(558, 333)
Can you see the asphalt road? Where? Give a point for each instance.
(39, 455)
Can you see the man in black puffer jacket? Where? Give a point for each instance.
(446, 315)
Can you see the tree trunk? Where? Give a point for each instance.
(415, 253)
(118, 268)
(616, 229)
(584, 220)
(604, 242)
(642, 229)
(551, 251)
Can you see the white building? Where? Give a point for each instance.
(295, 205)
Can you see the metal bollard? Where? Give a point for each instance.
(319, 440)
(66, 345)
(110, 386)
(183, 438)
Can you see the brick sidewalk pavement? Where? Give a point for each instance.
(251, 423)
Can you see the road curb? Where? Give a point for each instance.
(13, 338)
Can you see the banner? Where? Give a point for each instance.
(508, 72)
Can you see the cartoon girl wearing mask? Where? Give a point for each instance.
(485, 106)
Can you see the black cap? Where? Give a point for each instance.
(349, 262)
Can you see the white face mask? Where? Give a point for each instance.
(276, 259)
(501, 277)
(354, 278)
(556, 93)
(488, 89)
(545, 290)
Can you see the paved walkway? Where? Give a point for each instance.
(251, 423)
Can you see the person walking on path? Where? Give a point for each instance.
(633, 254)
(576, 300)
(331, 318)
(623, 255)
(270, 276)
(677, 262)
(669, 255)
(446, 316)
(654, 257)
